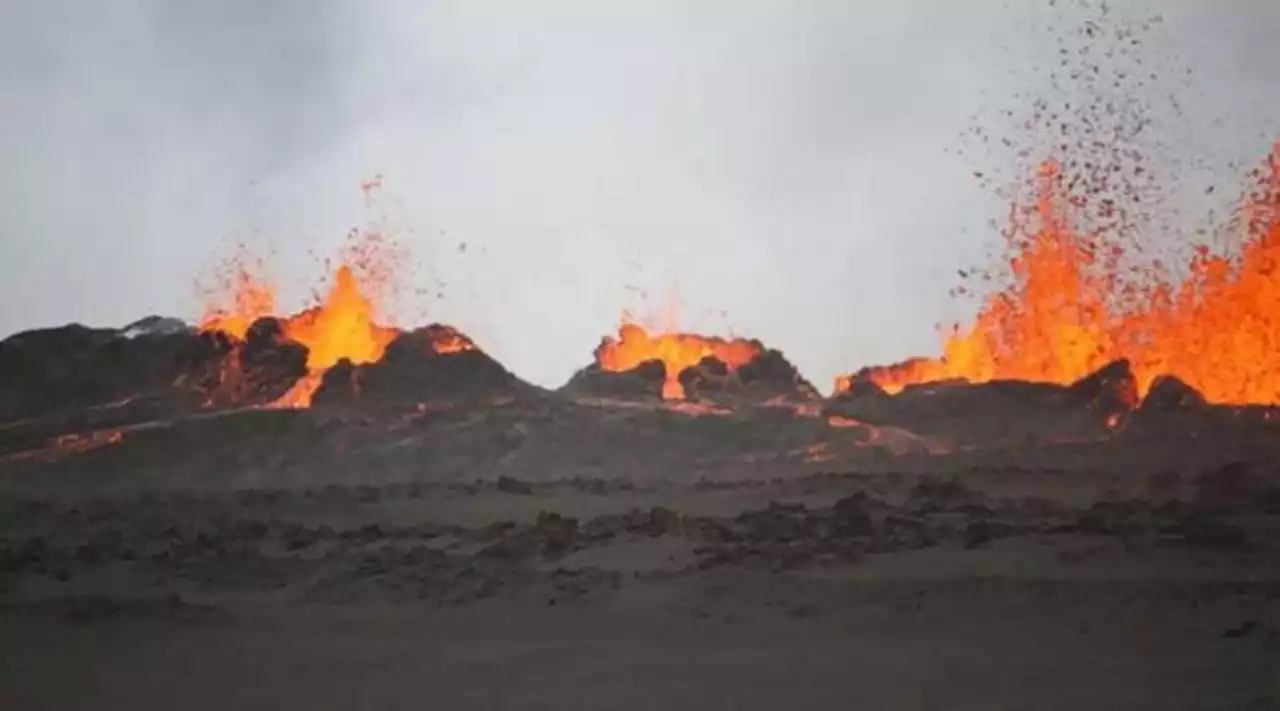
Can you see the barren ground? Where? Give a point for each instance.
(489, 559)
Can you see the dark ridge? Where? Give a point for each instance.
(997, 412)
(769, 377)
(644, 382)
(413, 371)
(76, 379)
(1170, 394)
(253, 372)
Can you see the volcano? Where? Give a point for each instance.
(637, 365)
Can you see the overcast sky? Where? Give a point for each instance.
(789, 169)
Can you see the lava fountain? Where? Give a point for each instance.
(676, 351)
(342, 328)
(239, 296)
(1067, 313)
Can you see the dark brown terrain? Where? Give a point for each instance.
(436, 533)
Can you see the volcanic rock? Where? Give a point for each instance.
(1233, 484)
(74, 383)
(1169, 394)
(47, 369)
(155, 326)
(644, 382)
(1110, 390)
(428, 365)
(767, 378)
(1174, 408)
(256, 371)
(64, 369)
(997, 413)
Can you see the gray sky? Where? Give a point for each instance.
(784, 165)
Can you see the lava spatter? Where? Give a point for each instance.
(676, 351)
(1090, 270)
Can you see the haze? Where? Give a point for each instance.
(789, 172)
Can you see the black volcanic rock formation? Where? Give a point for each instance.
(75, 377)
(82, 382)
(767, 378)
(415, 371)
(70, 367)
(1170, 394)
(643, 382)
(999, 412)
(1173, 407)
(253, 372)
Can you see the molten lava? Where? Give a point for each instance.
(342, 327)
(240, 297)
(676, 351)
(1067, 313)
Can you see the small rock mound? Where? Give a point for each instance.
(767, 378)
(432, 364)
(999, 412)
(1110, 390)
(1173, 407)
(234, 373)
(644, 382)
(1170, 394)
(60, 370)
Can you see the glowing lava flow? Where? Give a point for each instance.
(342, 327)
(1065, 315)
(676, 351)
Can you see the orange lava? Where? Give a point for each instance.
(676, 351)
(1066, 314)
(842, 423)
(447, 341)
(240, 296)
(341, 328)
(350, 321)
(75, 443)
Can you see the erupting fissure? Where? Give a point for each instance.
(1067, 313)
(247, 297)
(676, 351)
(344, 326)
(341, 328)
